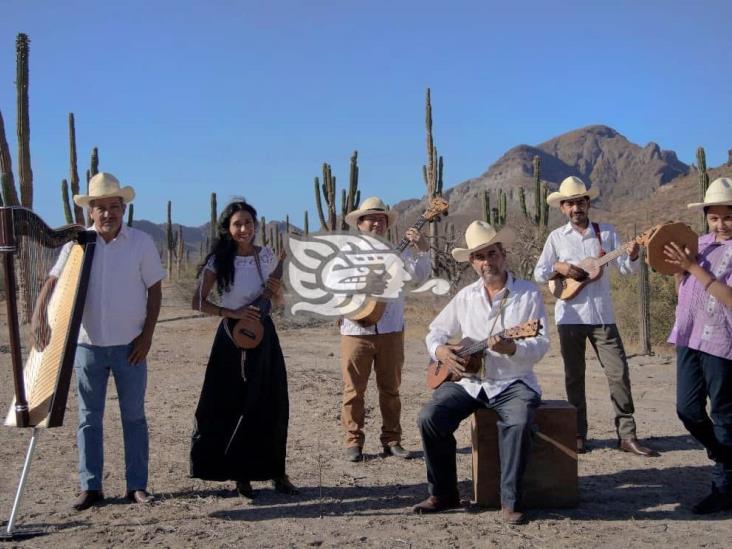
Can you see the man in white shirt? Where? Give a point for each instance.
(121, 309)
(380, 345)
(507, 384)
(589, 315)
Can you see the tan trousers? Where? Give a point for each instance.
(358, 353)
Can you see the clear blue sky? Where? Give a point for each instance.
(249, 98)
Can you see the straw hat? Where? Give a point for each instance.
(104, 185)
(719, 193)
(479, 235)
(572, 187)
(372, 204)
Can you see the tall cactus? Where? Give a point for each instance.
(306, 225)
(496, 215)
(170, 240)
(540, 216)
(10, 195)
(212, 229)
(74, 169)
(263, 229)
(273, 240)
(130, 214)
(432, 175)
(94, 163)
(486, 200)
(538, 207)
(91, 172)
(180, 252)
(329, 195)
(350, 199)
(65, 201)
(701, 160)
(644, 304)
(25, 173)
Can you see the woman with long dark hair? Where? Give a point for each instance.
(240, 430)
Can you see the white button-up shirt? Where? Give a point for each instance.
(418, 266)
(472, 314)
(593, 305)
(116, 299)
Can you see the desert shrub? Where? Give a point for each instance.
(626, 301)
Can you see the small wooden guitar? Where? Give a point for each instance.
(248, 332)
(373, 309)
(566, 288)
(437, 373)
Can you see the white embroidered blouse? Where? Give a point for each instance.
(247, 285)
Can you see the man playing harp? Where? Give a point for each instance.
(122, 306)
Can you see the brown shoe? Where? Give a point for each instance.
(139, 496)
(581, 445)
(633, 446)
(87, 498)
(433, 504)
(510, 516)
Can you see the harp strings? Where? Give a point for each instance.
(36, 255)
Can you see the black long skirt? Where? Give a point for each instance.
(240, 428)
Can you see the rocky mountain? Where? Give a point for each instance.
(599, 155)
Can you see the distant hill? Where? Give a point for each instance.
(638, 184)
(625, 173)
(193, 236)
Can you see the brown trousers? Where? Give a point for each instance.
(358, 353)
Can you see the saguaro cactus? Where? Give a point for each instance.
(486, 199)
(170, 240)
(432, 175)
(540, 216)
(130, 214)
(94, 163)
(328, 188)
(25, 173)
(10, 195)
(180, 252)
(65, 201)
(91, 172)
(306, 224)
(701, 161)
(214, 216)
(263, 230)
(74, 170)
(350, 199)
(644, 305)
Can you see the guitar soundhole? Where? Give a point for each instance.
(246, 333)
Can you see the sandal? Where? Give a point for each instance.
(284, 486)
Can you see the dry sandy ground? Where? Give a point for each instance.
(625, 500)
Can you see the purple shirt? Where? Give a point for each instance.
(702, 323)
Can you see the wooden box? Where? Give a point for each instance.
(550, 480)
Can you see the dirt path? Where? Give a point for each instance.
(625, 500)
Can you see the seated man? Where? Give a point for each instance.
(506, 382)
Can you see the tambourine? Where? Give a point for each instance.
(677, 232)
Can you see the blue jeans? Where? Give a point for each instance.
(92, 366)
(441, 417)
(700, 376)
